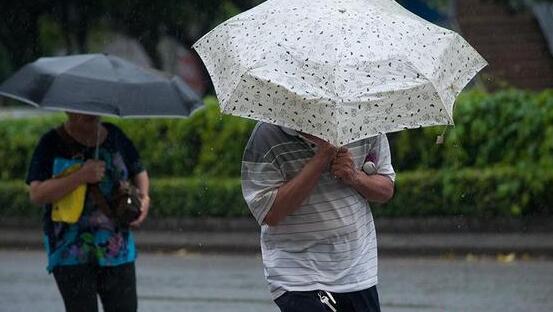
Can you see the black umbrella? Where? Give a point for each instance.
(99, 84)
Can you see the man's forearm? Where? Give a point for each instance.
(293, 193)
(375, 188)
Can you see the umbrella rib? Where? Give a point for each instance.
(83, 62)
(18, 98)
(89, 84)
(442, 102)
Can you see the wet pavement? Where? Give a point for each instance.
(209, 283)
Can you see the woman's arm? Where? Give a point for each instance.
(51, 190)
(142, 182)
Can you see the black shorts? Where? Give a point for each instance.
(313, 301)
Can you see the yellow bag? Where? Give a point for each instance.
(68, 209)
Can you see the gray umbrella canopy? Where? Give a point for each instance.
(100, 84)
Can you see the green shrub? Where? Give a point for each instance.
(14, 201)
(207, 143)
(18, 139)
(197, 198)
(509, 128)
(172, 197)
(496, 191)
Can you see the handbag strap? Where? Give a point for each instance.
(99, 199)
(94, 189)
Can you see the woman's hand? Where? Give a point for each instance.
(92, 171)
(144, 209)
(142, 182)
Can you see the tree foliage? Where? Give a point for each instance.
(514, 4)
(23, 37)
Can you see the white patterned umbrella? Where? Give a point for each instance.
(342, 70)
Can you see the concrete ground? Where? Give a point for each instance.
(183, 281)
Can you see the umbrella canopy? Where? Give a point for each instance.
(100, 84)
(342, 70)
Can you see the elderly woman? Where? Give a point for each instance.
(92, 255)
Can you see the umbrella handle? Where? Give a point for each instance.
(440, 138)
(97, 151)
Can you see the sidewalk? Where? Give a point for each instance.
(401, 244)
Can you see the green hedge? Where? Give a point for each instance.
(14, 200)
(195, 197)
(510, 128)
(475, 193)
(499, 191)
(172, 197)
(207, 144)
(18, 138)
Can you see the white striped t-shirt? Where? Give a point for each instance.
(329, 243)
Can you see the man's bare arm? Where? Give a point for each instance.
(375, 188)
(293, 193)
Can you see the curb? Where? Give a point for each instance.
(402, 244)
(405, 225)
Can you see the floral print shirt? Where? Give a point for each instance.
(94, 239)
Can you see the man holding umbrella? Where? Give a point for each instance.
(342, 72)
(317, 237)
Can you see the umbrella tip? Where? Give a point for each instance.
(440, 138)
